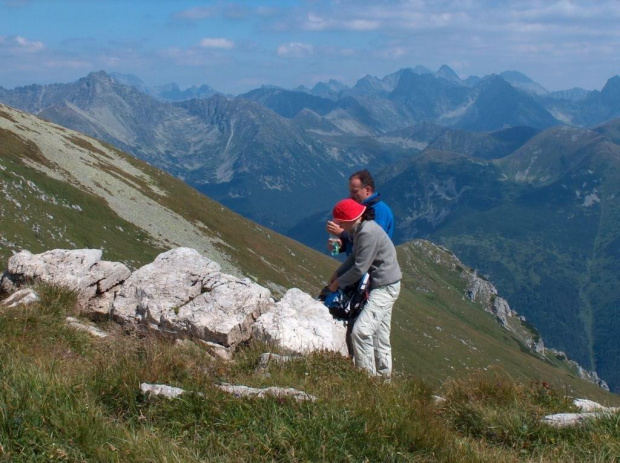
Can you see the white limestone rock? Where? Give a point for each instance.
(109, 274)
(80, 270)
(590, 410)
(100, 306)
(169, 392)
(8, 283)
(562, 420)
(67, 268)
(90, 329)
(502, 310)
(301, 324)
(217, 350)
(586, 405)
(21, 297)
(184, 293)
(158, 289)
(224, 313)
(269, 358)
(288, 392)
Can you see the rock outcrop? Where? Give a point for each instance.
(183, 294)
(591, 376)
(301, 324)
(80, 270)
(482, 291)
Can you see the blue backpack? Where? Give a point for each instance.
(347, 303)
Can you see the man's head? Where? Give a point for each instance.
(361, 185)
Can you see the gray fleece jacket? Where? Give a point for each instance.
(373, 252)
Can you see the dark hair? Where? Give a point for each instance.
(368, 214)
(365, 178)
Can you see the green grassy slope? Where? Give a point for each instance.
(438, 332)
(83, 193)
(66, 396)
(76, 192)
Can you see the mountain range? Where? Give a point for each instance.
(541, 222)
(517, 180)
(62, 189)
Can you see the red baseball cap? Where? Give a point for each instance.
(348, 210)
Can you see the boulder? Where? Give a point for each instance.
(157, 290)
(300, 324)
(100, 306)
(80, 270)
(8, 283)
(224, 313)
(182, 292)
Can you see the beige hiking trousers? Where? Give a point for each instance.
(370, 337)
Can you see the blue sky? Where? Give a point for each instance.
(238, 46)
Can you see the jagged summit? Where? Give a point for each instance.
(447, 73)
(520, 80)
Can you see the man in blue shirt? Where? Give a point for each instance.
(362, 190)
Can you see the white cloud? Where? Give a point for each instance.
(17, 45)
(195, 14)
(315, 22)
(217, 42)
(295, 50)
(361, 25)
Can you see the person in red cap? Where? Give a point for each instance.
(373, 252)
(362, 190)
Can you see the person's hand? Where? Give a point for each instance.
(330, 244)
(334, 228)
(333, 286)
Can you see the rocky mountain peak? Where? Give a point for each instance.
(611, 91)
(520, 80)
(100, 77)
(447, 73)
